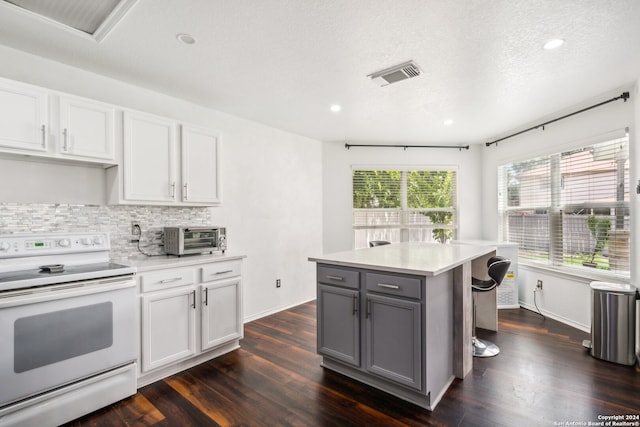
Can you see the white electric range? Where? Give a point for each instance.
(68, 321)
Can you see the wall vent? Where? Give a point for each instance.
(395, 74)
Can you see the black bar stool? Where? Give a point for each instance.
(497, 270)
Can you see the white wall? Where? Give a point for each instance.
(564, 297)
(337, 192)
(271, 181)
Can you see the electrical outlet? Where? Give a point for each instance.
(278, 283)
(539, 285)
(135, 229)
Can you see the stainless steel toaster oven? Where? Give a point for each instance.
(194, 240)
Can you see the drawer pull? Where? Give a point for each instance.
(338, 278)
(223, 272)
(385, 285)
(175, 279)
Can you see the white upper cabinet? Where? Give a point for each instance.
(86, 129)
(158, 168)
(23, 118)
(149, 158)
(200, 171)
(48, 125)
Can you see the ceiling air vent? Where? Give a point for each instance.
(395, 74)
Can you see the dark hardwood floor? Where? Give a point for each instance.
(542, 377)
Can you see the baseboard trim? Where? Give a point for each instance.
(275, 310)
(554, 316)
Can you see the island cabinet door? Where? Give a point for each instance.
(339, 324)
(393, 339)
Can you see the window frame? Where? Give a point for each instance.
(557, 208)
(404, 212)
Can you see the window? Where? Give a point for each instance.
(570, 209)
(400, 205)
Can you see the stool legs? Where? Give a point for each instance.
(481, 348)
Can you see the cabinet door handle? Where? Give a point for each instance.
(174, 279)
(368, 309)
(172, 190)
(223, 272)
(385, 285)
(44, 135)
(194, 299)
(186, 191)
(206, 296)
(338, 278)
(355, 305)
(65, 140)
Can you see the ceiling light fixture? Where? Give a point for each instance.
(553, 44)
(448, 122)
(335, 108)
(186, 38)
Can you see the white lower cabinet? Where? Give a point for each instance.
(188, 315)
(169, 327)
(221, 314)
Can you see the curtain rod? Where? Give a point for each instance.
(624, 96)
(459, 147)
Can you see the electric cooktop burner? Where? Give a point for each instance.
(29, 260)
(54, 275)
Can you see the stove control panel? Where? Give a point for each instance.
(38, 244)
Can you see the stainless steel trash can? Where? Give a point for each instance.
(613, 322)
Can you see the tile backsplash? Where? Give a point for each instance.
(116, 220)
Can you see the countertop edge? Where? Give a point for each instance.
(172, 261)
(334, 260)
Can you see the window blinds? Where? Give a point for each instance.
(404, 205)
(571, 208)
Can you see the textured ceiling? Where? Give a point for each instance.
(285, 62)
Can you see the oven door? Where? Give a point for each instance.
(60, 334)
(198, 240)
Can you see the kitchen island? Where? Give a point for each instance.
(398, 317)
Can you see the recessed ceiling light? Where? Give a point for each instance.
(448, 122)
(335, 108)
(186, 38)
(553, 44)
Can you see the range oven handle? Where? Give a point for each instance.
(65, 290)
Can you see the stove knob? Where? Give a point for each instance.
(4, 246)
(86, 241)
(98, 240)
(64, 243)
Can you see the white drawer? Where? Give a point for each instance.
(220, 270)
(165, 279)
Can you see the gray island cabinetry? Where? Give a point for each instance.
(389, 320)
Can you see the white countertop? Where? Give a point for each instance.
(145, 263)
(428, 259)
